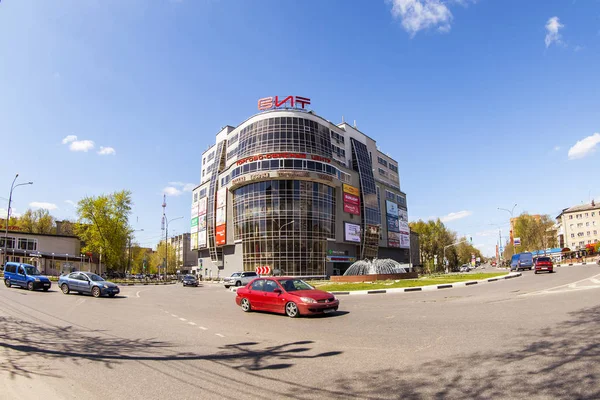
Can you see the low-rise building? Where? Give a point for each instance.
(187, 259)
(579, 226)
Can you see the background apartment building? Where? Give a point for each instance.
(580, 226)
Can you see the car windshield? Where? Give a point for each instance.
(31, 270)
(189, 277)
(95, 278)
(235, 274)
(543, 259)
(291, 285)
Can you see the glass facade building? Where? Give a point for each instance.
(292, 193)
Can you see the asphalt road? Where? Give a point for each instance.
(534, 337)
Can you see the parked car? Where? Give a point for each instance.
(290, 296)
(26, 276)
(239, 278)
(189, 280)
(543, 264)
(521, 261)
(87, 282)
(465, 268)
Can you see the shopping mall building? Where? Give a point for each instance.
(289, 192)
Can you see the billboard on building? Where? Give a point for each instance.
(403, 222)
(392, 208)
(202, 223)
(221, 197)
(194, 241)
(350, 189)
(194, 211)
(351, 232)
(351, 199)
(393, 239)
(405, 241)
(220, 235)
(392, 224)
(352, 209)
(202, 206)
(194, 229)
(221, 216)
(194, 221)
(201, 239)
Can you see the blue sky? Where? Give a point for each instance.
(479, 101)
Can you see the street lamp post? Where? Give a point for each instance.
(511, 217)
(166, 243)
(12, 187)
(280, 229)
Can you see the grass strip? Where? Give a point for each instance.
(403, 283)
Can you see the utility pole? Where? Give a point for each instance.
(164, 221)
(12, 187)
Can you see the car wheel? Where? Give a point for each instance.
(291, 310)
(238, 283)
(535, 272)
(46, 289)
(245, 304)
(30, 286)
(7, 282)
(65, 288)
(96, 291)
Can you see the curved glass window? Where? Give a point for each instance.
(285, 134)
(284, 224)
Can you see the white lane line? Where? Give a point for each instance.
(219, 335)
(138, 293)
(182, 319)
(203, 328)
(192, 323)
(166, 311)
(174, 316)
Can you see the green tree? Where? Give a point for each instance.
(38, 221)
(157, 258)
(104, 227)
(26, 221)
(535, 233)
(433, 237)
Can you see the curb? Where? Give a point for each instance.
(429, 287)
(418, 288)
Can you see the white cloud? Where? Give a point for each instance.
(584, 147)
(69, 139)
(552, 34)
(416, 15)
(13, 213)
(41, 204)
(105, 151)
(455, 216)
(556, 148)
(81, 145)
(71, 203)
(578, 48)
(172, 191)
(186, 187)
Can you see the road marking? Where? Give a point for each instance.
(174, 316)
(138, 293)
(182, 319)
(219, 335)
(192, 323)
(569, 287)
(203, 328)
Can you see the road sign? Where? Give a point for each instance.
(517, 241)
(264, 270)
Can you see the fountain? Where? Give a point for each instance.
(374, 270)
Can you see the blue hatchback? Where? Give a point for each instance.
(87, 282)
(26, 276)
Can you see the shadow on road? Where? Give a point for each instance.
(556, 363)
(25, 348)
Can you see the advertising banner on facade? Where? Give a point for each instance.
(194, 229)
(220, 235)
(202, 223)
(392, 224)
(193, 241)
(202, 206)
(194, 211)
(351, 232)
(351, 199)
(402, 215)
(352, 209)
(194, 221)
(405, 241)
(403, 224)
(201, 239)
(393, 239)
(392, 208)
(221, 197)
(350, 189)
(221, 216)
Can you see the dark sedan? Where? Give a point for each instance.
(87, 282)
(189, 280)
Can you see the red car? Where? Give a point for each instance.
(543, 264)
(291, 296)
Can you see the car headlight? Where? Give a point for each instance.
(105, 286)
(307, 300)
(37, 279)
